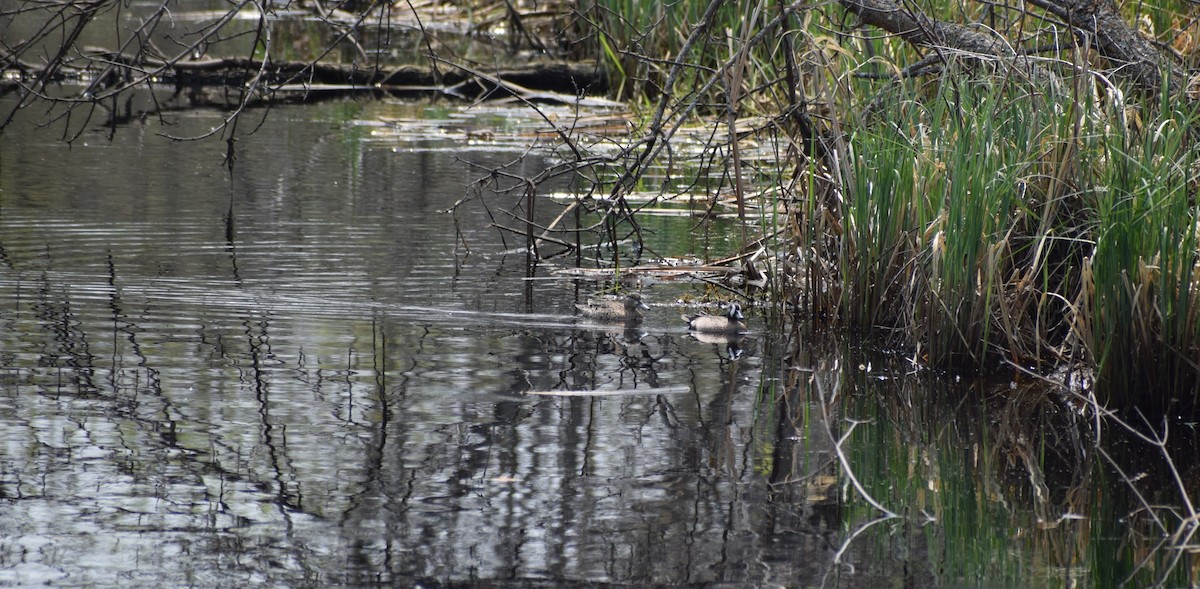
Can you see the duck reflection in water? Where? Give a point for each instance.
(720, 329)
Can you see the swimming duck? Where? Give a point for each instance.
(729, 323)
(615, 310)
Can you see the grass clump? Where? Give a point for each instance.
(930, 217)
(1032, 229)
(951, 221)
(1038, 230)
(1141, 282)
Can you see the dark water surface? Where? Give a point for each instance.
(302, 372)
(295, 374)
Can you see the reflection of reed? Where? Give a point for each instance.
(1003, 465)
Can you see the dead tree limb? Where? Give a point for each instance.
(1093, 23)
(1099, 23)
(924, 31)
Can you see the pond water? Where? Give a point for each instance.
(296, 373)
(301, 371)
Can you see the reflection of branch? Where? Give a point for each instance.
(837, 556)
(1179, 540)
(850, 471)
(823, 402)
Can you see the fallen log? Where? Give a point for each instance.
(301, 81)
(1093, 23)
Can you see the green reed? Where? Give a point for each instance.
(933, 214)
(1140, 297)
(1028, 228)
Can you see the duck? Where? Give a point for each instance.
(628, 310)
(729, 323)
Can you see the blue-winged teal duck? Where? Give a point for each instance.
(627, 310)
(729, 323)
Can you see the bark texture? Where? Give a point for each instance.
(1094, 23)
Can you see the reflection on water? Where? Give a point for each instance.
(296, 374)
(303, 372)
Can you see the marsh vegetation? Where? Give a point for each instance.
(996, 191)
(1012, 190)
